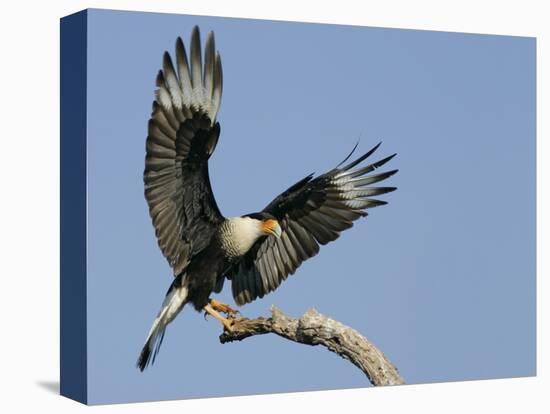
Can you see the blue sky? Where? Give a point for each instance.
(442, 279)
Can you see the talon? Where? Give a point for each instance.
(222, 307)
(227, 323)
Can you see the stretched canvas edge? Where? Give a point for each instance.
(73, 201)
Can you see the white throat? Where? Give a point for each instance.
(238, 235)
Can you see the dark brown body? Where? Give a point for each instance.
(205, 274)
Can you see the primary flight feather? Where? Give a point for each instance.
(255, 251)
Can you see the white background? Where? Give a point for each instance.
(29, 207)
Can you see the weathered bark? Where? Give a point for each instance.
(314, 328)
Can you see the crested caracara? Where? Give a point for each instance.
(257, 251)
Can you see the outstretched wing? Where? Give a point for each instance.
(313, 211)
(182, 135)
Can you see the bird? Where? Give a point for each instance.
(255, 251)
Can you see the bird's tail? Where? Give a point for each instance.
(173, 303)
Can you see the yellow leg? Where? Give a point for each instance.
(222, 307)
(226, 322)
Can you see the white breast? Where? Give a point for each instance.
(238, 235)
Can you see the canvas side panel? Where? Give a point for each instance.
(73, 370)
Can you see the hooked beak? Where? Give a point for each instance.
(271, 226)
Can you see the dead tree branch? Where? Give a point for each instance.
(314, 328)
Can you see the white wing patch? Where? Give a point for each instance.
(192, 86)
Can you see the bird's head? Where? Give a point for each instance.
(268, 225)
(271, 227)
